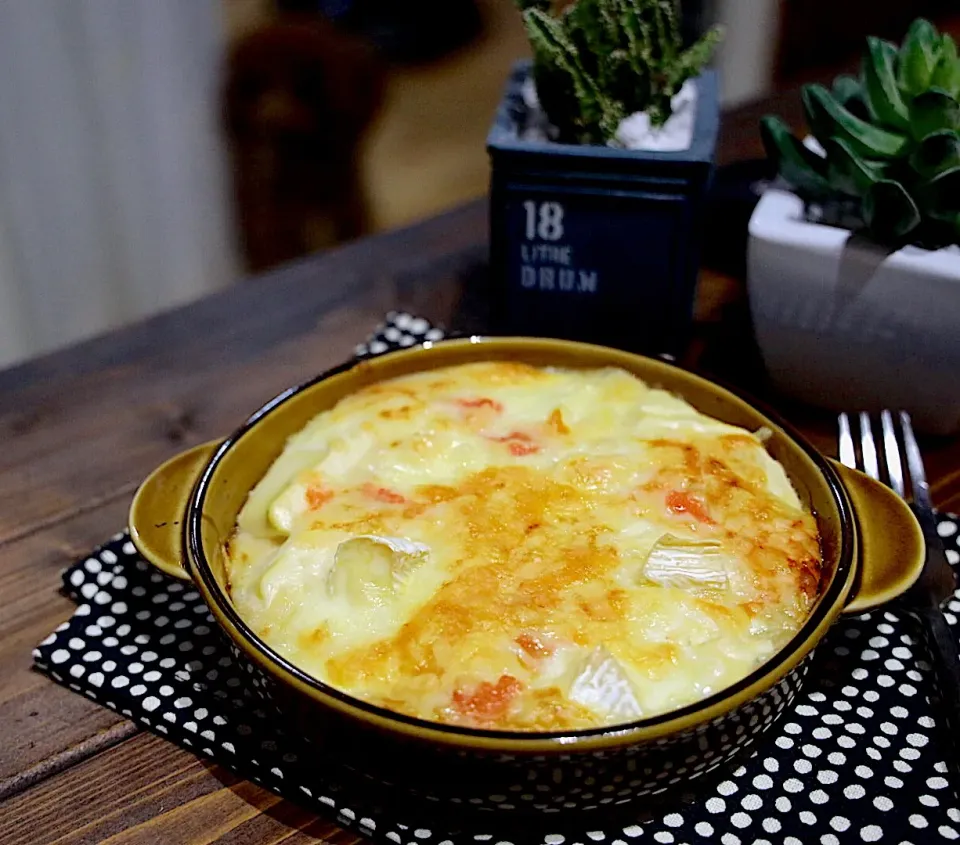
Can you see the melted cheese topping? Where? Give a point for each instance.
(503, 546)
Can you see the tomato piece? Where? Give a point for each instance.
(317, 497)
(383, 494)
(681, 502)
(519, 436)
(481, 402)
(487, 701)
(534, 646)
(519, 443)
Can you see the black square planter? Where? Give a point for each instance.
(592, 242)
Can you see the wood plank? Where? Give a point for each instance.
(47, 727)
(146, 791)
(83, 424)
(122, 440)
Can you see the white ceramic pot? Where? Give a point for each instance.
(844, 325)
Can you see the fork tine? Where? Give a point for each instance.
(891, 452)
(918, 478)
(848, 456)
(868, 447)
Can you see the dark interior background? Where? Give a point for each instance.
(815, 34)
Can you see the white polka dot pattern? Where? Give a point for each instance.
(399, 331)
(854, 761)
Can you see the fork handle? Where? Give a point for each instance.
(942, 647)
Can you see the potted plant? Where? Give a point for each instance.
(853, 262)
(601, 153)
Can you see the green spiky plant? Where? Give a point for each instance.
(598, 61)
(891, 140)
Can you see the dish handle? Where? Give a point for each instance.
(160, 505)
(891, 545)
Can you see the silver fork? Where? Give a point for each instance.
(937, 582)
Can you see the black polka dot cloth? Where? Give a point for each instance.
(855, 760)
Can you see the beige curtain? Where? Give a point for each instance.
(114, 200)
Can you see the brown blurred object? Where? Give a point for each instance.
(818, 34)
(298, 96)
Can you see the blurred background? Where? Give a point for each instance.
(152, 151)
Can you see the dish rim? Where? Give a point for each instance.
(776, 666)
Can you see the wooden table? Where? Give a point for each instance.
(82, 427)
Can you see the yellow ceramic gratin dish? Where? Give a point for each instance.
(872, 552)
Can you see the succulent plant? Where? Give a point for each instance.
(890, 138)
(598, 61)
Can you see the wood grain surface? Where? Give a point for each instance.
(80, 428)
(46, 727)
(164, 795)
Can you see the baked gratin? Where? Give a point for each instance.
(509, 547)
